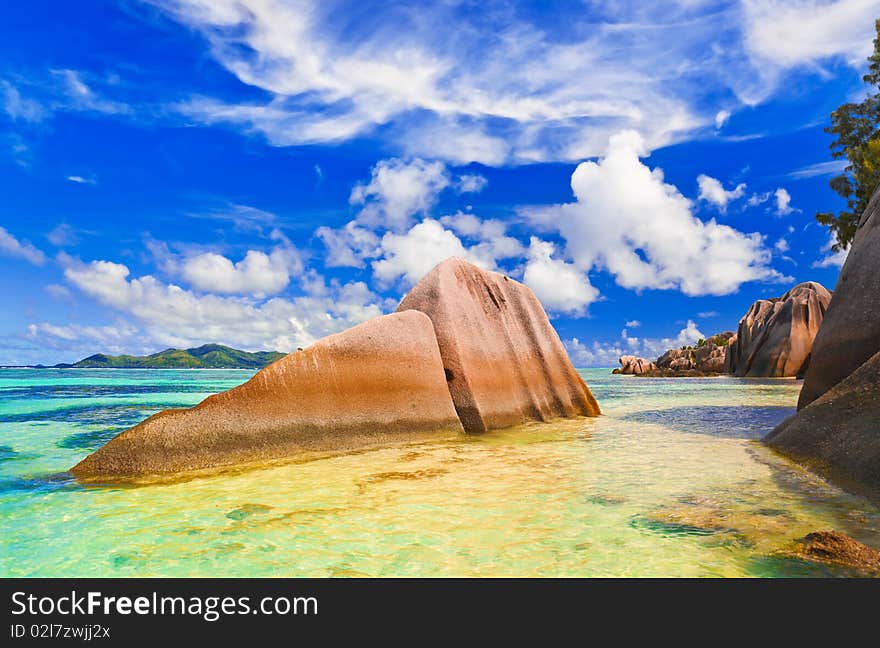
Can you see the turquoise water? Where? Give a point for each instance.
(671, 481)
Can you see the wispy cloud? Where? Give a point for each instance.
(13, 247)
(498, 87)
(77, 179)
(819, 169)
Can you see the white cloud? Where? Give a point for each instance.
(708, 314)
(494, 243)
(606, 354)
(258, 274)
(688, 335)
(781, 245)
(783, 202)
(397, 190)
(80, 96)
(628, 221)
(758, 199)
(633, 324)
(498, 86)
(467, 224)
(62, 235)
(81, 180)
(507, 86)
(471, 183)
(831, 259)
(561, 287)
(712, 191)
(412, 255)
(173, 316)
(833, 167)
(796, 32)
(109, 338)
(490, 235)
(348, 245)
(595, 355)
(57, 291)
(12, 247)
(20, 108)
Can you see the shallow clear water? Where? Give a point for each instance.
(669, 482)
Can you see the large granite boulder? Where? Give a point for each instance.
(379, 381)
(850, 332)
(503, 360)
(775, 337)
(633, 365)
(838, 434)
(837, 428)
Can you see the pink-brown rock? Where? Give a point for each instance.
(850, 332)
(775, 337)
(705, 358)
(504, 362)
(377, 382)
(633, 365)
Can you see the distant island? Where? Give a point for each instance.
(207, 356)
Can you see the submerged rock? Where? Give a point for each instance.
(503, 360)
(378, 381)
(850, 332)
(634, 365)
(775, 337)
(835, 548)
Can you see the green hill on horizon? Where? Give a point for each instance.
(207, 356)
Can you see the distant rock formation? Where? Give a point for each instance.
(468, 350)
(504, 362)
(377, 381)
(836, 429)
(634, 365)
(706, 358)
(775, 337)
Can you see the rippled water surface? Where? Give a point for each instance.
(671, 481)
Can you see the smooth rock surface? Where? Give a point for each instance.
(775, 337)
(633, 365)
(850, 332)
(379, 381)
(838, 434)
(504, 362)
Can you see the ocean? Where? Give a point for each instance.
(670, 481)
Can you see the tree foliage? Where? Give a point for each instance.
(857, 127)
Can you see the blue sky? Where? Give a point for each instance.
(262, 173)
